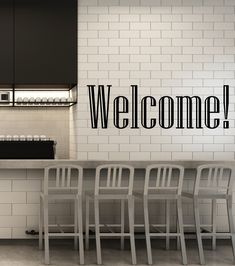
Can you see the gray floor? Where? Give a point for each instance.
(26, 253)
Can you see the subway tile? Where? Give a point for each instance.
(139, 139)
(12, 221)
(171, 34)
(5, 233)
(129, 147)
(129, 18)
(119, 10)
(143, 156)
(223, 156)
(13, 174)
(182, 155)
(182, 139)
(26, 185)
(139, 10)
(32, 197)
(160, 139)
(13, 197)
(224, 139)
(25, 209)
(150, 148)
(19, 233)
(171, 147)
(98, 10)
(192, 147)
(106, 17)
(203, 10)
(116, 156)
(98, 156)
(161, 156)
(207, 156)
(120, 26)
(5, 185)
(223, 10)
(32, 221)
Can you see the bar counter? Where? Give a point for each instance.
(39, 164)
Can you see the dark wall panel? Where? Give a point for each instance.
(6, 42)
(45, 41)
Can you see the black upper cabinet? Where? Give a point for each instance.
(6, 42)
(45, 42)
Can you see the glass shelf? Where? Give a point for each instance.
(40, 97)
(46, 104)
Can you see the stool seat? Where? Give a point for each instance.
(60, 196)
(206, 194)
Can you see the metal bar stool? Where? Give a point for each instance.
(62, 182)
(212, 182)
(112, 182)
(164, 182)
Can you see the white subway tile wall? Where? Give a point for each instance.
(19, 204)
(167, 48)
(178, 47)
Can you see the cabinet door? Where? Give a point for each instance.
(6, 42)
(46, 42)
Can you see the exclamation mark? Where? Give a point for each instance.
(226, 105)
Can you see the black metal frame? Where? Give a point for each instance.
(14, 103)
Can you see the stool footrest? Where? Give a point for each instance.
(157, 230)
(114, 234)
(106, 225)
(216, 234)
(61, 225)
(63, 234)
(164, 234)
(108, 228)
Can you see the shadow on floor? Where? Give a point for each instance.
(26, 253)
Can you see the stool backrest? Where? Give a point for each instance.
(163, 177)
(214, 177)
(62, 178)
(114, 177)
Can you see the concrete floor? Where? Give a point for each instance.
(26, 253)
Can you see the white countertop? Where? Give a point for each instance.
(39, 164)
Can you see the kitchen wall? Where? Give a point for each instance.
(167, 47)
(52, 122)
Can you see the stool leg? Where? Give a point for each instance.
(131, 229)
(214, 224)
(181, 230)
(122, 223)
(177, 230)
(80, 227)
(167, 224)
(46, 236)
(231, 224)
(40, 224)
(198, 230)
(147, 235)
(87, 221)
(97, 231)
(75, 224)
